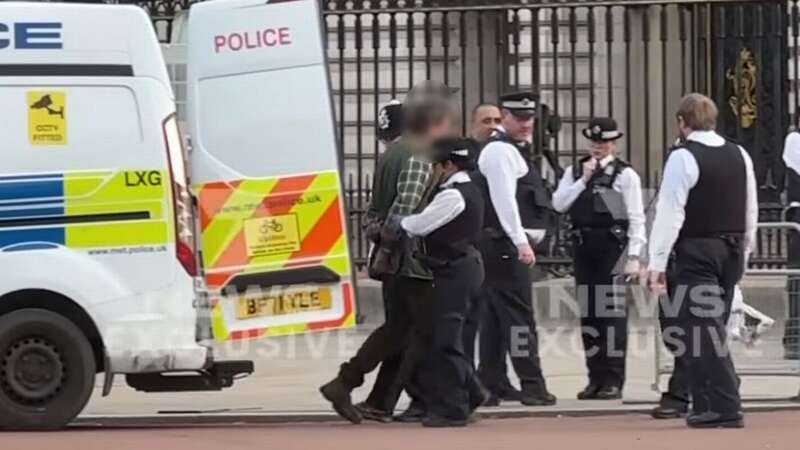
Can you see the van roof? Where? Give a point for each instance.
(57, 39)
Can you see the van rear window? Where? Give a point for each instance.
(281, 126)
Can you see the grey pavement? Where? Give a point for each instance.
(290, 369)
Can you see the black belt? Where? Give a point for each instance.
(732, 239)
(722, 235)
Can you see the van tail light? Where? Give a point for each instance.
(181, 197)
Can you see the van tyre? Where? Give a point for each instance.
(47, 370)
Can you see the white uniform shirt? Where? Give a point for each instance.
(791, 151)
(502, 165)
(628, 183)
(446, 205)
(680, 176)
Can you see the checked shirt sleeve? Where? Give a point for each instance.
(412, 182)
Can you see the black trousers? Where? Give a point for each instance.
(678, 393)
(446, 374)
(604, 318)
(387, 374)
(508, 295)
(491, 344)
(706, 271)
(407, 324)
(791, 337)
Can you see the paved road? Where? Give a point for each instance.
(765, 431)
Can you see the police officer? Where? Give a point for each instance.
(604, 198)
(516, 213)
(486, 117)
(451, 225)
(706, 215)
(791, 157)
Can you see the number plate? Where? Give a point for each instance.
(283, 302)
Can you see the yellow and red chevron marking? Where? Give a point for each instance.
(314, 200)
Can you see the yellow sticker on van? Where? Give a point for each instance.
(47, 117)
(272, 235)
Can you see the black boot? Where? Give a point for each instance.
(369, 412)
(414, 413)
(537, 396)
(589, 392)
(710, 419)
(609, 393)
(339, 395)
(670, 408)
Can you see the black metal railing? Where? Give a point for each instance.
(632, 60)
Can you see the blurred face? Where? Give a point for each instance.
(517, 128)
(600, 150)
(484, 122)
(442, 129)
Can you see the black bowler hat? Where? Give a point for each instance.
(390, 121)
(520, 104)
(602, 129)
(456, 149)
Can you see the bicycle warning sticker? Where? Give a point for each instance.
(272, 235)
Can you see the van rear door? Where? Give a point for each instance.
(265, 169)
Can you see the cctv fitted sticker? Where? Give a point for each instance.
(47, 118)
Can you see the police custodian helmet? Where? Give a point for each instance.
(390, 121)
(602, 129)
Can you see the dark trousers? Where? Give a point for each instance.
(387, 374)
(409, 322)
(446, 374)
(490, 340)
(509, 299)
(604, 318)
(706, 271)
(791, 337)
(678, 393)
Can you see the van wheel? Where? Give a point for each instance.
(47, 370)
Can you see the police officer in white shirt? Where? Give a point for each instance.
(706, 217)
(451, 225)
(517, 210)
(603, 196)
(791, 157)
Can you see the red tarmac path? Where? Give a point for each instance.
(767, 431)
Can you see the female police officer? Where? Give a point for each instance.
(451, 225)
(604, 199)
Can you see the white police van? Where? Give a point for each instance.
(97, 222)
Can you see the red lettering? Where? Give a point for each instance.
(283, 36)
(219, 42)
(270, 41)
(269, 37)
(235, 47)
(247, 41)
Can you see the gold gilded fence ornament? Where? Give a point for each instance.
(746, 87)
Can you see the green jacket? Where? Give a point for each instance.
(404, 180)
